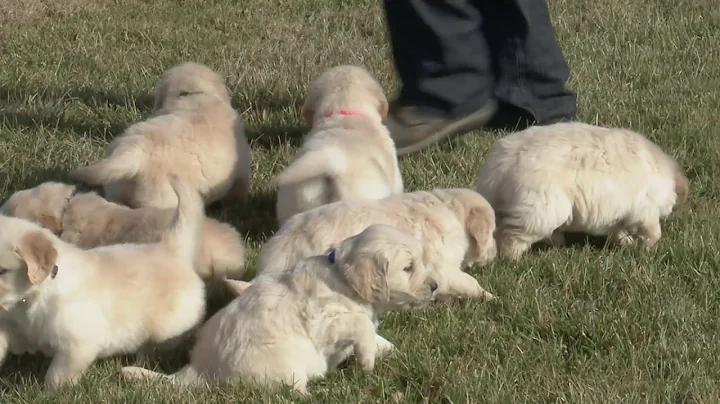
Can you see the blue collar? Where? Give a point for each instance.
(331, 257)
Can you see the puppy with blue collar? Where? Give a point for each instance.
(302, 325)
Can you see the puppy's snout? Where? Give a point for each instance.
(433, 286)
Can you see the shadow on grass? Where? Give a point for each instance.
(97, 127)
(35, 177)
(272, 137)
(92, 97)
(256, 219)
(576, 240)
(17, 370)
(22, 121)
(263, 135)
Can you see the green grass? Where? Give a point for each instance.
(573, 325)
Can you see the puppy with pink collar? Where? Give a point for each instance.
(348, 153)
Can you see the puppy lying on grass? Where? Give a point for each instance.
(575, 177)
(313, 317)
(88, 221)
(454, 226)
(348, 153)
(194, 133)
(80, 305)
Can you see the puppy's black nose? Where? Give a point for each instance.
(433, 286)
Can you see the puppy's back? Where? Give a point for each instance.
(565, 155)
(228, 343)
(310, 233)
(91, 221)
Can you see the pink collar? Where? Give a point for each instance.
(343, 112)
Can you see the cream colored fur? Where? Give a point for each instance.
(88, 221)
(194, 133)
(102, 302)
(343, 156)
(575, 177)
(455, 227)
(314, 316)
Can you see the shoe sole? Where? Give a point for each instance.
(457, 127)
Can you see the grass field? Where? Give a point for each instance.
(572, 325)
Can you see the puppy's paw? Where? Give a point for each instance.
(235, 286)
(367, 364)
(53, 385)
(384, 347)
(623, 238)
(488, 297)
(131, 373)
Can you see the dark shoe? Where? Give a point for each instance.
(512, 119)
(413, 131)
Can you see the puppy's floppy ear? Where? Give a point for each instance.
(50, 222)
(478, 226)
(36, 249)
(368, 278)
(366, 274)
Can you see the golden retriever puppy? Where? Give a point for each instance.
(79, 305)
(455, 227)
(313, 317)
(88, 221)
(348, 153)
(44, 204)
(575, 177)
(194, 133)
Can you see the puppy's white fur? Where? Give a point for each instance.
(88, 221)
(575, 177)
(348, 153)
(316, 314)
(194, 133)
(455, 227)
(102, 302)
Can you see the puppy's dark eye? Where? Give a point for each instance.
(3, 271)
(409, 268)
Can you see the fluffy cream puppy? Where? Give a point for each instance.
(348, 153)
(194, 133)
(314, 316)
(79, 305)
(575, 177)
(88, 221)
(455, 227)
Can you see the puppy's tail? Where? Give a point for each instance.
(225, 250)
(186, 376)
(326, 162)
(184, 231)
(125, 161)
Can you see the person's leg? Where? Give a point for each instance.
(444, 64)
(455, 57)
(530, 70)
